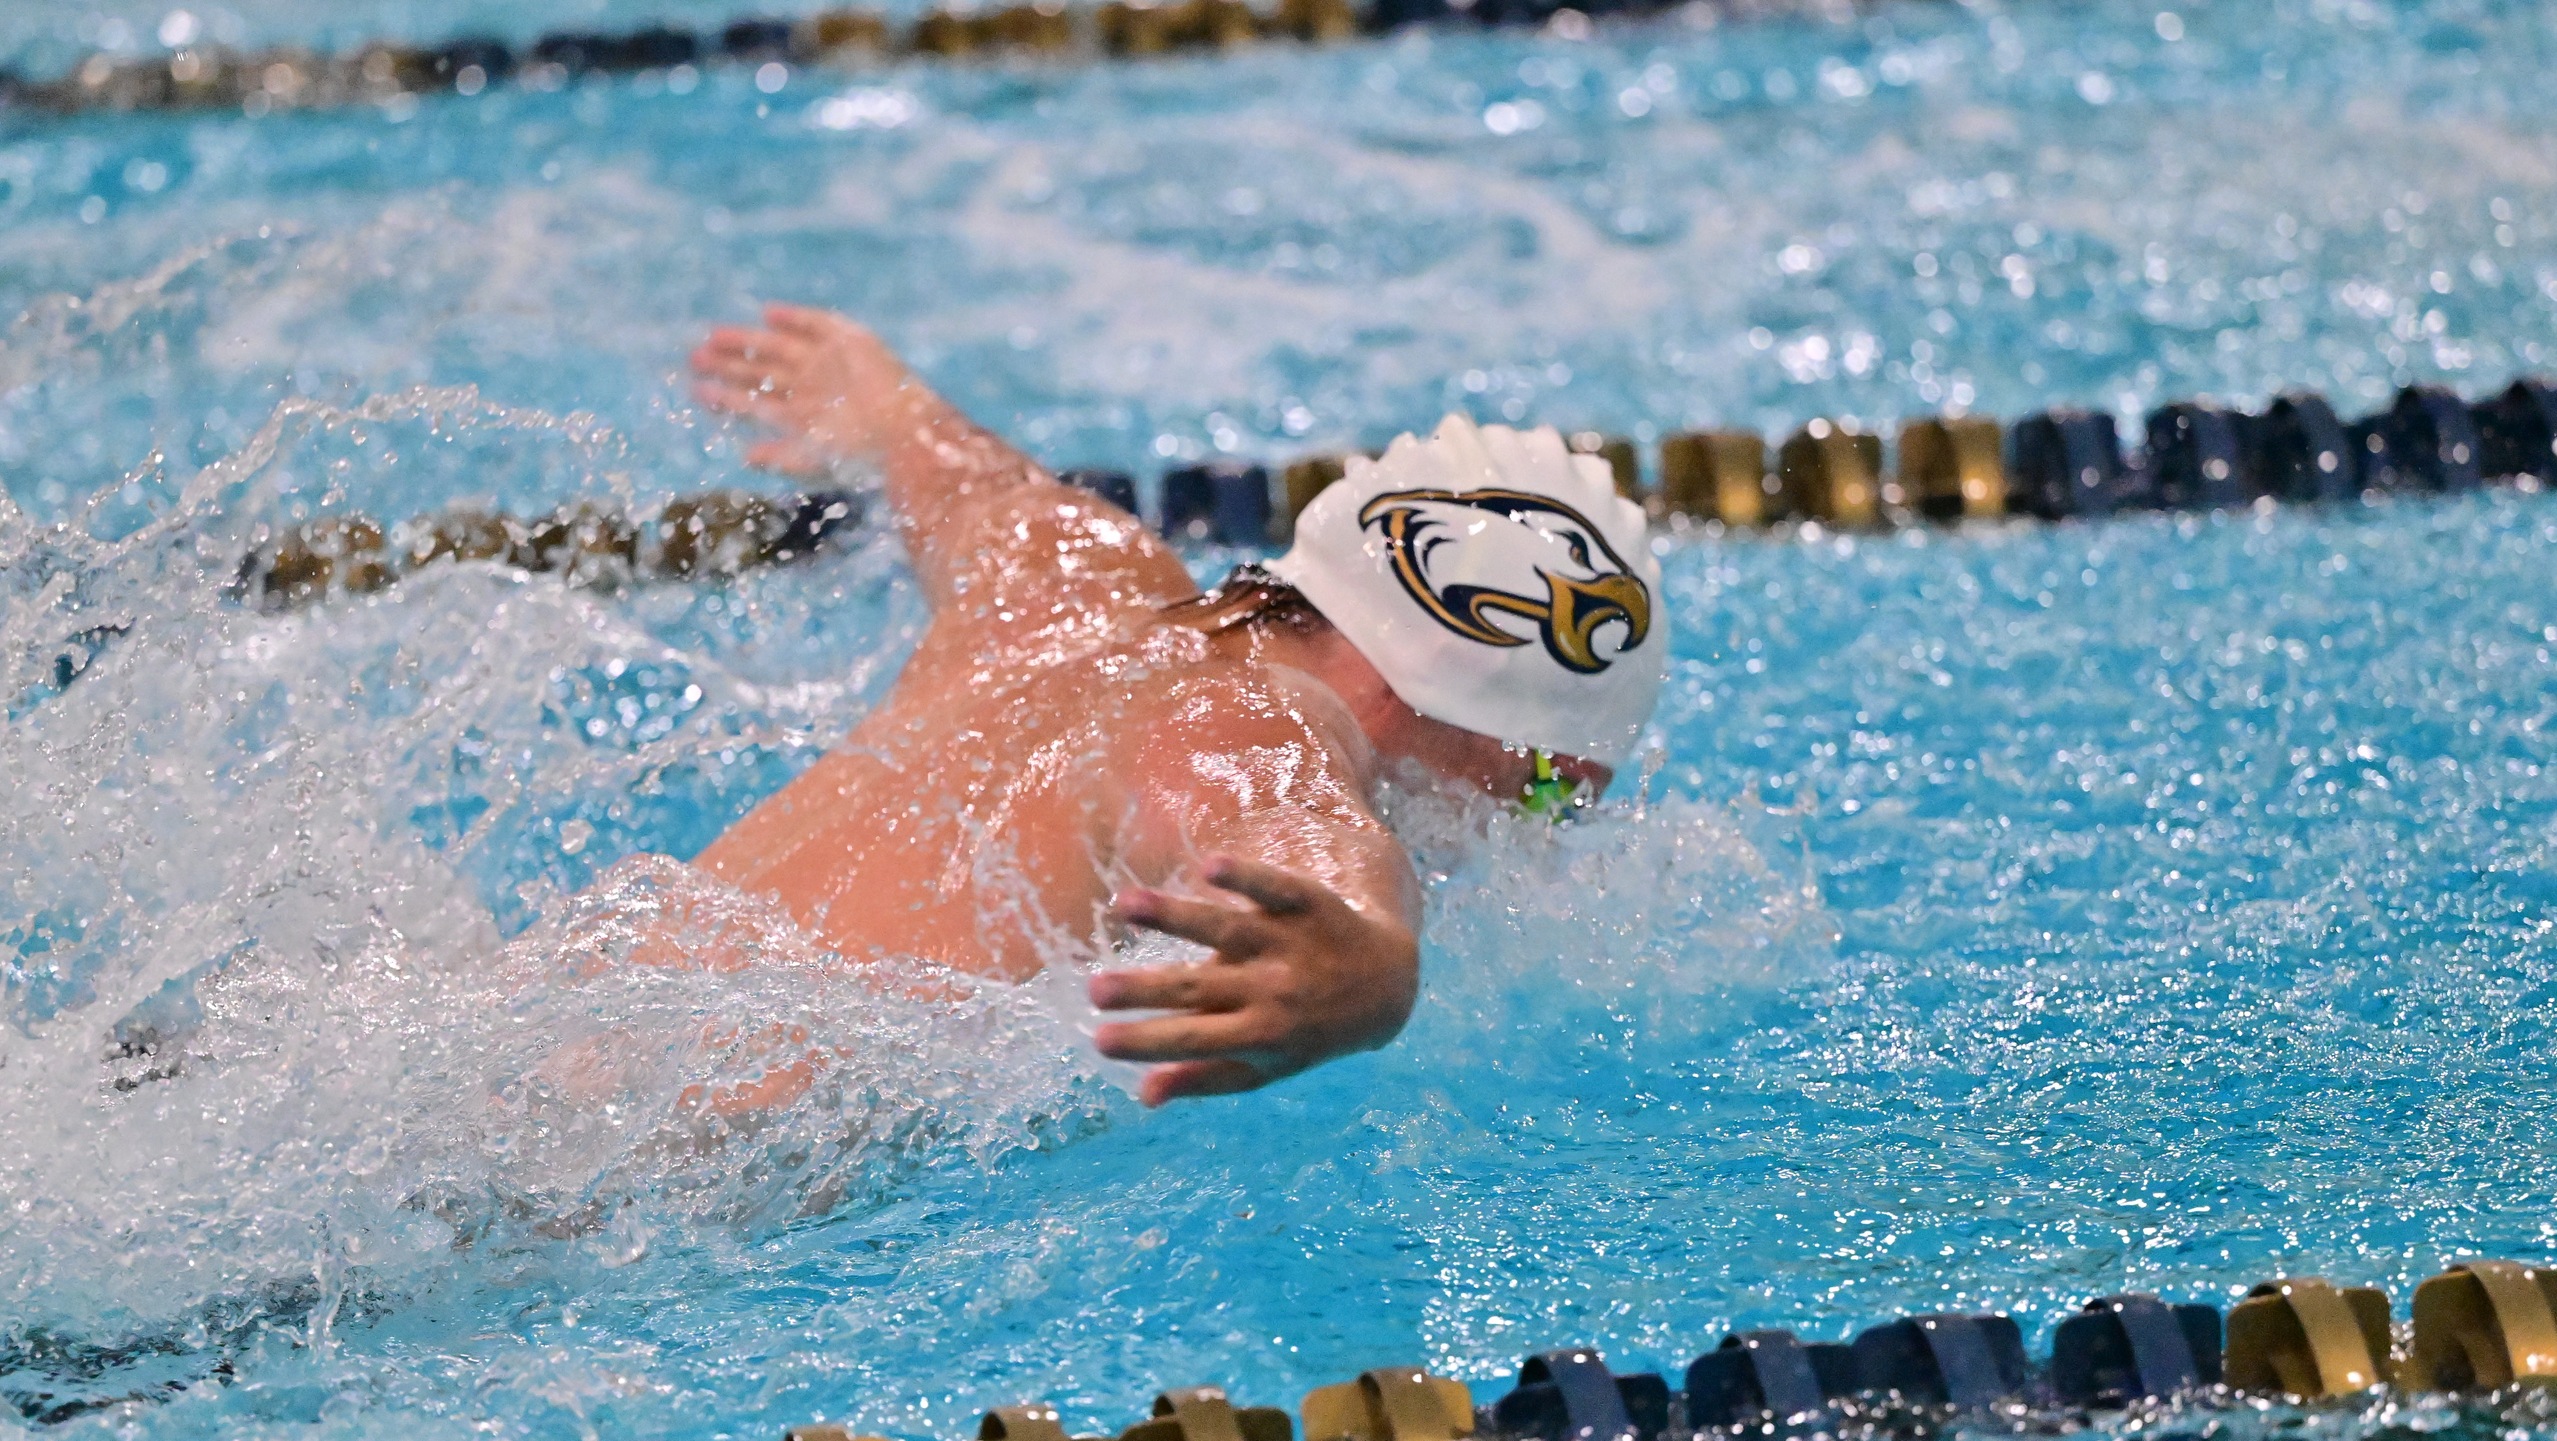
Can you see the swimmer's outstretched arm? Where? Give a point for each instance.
(965, 500)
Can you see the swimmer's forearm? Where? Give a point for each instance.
(964, 500)
(938, 465)
(839, 395)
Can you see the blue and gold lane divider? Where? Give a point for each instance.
(212, 77)
(2064, 464)
(2055, 465)
(2480, 1327)
(207, 77)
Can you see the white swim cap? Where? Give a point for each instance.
(1497, 581)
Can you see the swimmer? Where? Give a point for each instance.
(1083, 742)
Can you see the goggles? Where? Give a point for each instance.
(1548, 794)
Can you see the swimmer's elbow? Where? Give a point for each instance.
(1403, 989)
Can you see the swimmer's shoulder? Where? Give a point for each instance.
(1222, 708)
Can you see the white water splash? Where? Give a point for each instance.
(267, 1045)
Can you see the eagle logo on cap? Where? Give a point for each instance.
(1557, 572)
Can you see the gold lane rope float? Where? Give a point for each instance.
(1719, 475)
(2481, 1326)
(1830, 470)
(1618, 452)
(2303, 1337)
(1390, 1404)
(1954, 468)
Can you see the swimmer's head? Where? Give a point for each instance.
(1498, 584)
(1255, 600)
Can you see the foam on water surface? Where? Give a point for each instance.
(2006, 916)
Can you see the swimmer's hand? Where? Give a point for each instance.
(1298, 979)
(835, 391)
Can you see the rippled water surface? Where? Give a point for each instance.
(2007, 916)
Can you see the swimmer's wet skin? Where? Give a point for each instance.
(1084, 744)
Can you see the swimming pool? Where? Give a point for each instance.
(2012, 915)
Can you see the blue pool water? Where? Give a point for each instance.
(2007, 916)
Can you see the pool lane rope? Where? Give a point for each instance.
(2052, 465)
(710, 537)
(211, 77)
(2067, 464)
(2481, 1327)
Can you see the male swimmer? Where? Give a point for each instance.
(1081, 734)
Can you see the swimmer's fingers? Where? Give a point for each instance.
(745, 383)
(749, 361)
(722, 346)
(742, 400)
(1220, 1036)
(1212, 987)
(1235, 934)
(791, 454)
(731, 343)
(1199, 1078)
(807, 322)
(1276, 892)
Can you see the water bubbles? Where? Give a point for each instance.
(1512, 117)
(1807, 358)
(1843, 81)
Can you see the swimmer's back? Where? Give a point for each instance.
(1045, 744)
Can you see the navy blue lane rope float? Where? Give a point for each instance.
(2482, 1326)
